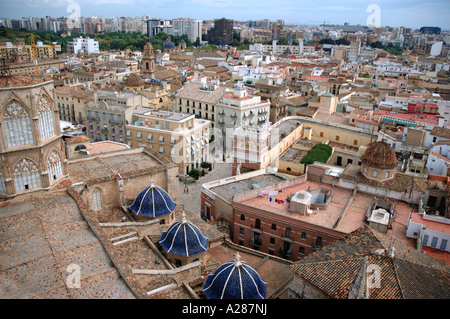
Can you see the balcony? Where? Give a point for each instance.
(256, 229)
(287, 239)
(315, 247)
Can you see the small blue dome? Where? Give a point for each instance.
(153, 202)
(184, 239)
(168, 44)
(235, 280)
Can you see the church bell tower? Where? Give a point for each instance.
(148, 61)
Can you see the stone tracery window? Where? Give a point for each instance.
(46, 125)
(54, 167)
(2, 184)
(17, 125)
(97, 199)
(26, 175)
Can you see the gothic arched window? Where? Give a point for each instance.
(46, 125)
(17, 125)
(2, 184)
(26, 175)
(54, 167)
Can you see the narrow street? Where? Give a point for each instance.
(192, 200)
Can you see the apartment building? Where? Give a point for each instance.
(200, 99)
(108, 114)
(82, 45)
(71, 101)
(222, 33)
(178, 136)
(238, 108)
(191, 27)
(43, 51)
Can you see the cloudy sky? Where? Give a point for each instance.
(408, 13)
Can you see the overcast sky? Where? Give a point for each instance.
(408, 13)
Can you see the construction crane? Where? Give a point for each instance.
(34, 54)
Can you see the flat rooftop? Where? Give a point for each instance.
(293, 155)
(228, 191)
(162, 114)
(287, 127)
(353, 218)
(430, 224)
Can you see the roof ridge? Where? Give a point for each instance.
(329, 260)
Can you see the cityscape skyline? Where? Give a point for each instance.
(414, 14)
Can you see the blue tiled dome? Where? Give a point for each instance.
(153, 202)
(235, 280)
(184, 239)
(168, 44)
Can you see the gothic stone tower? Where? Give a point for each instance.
(148, 61)
(32, 153)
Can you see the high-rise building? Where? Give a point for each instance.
(155, 26)
(191, 27)
(430, 30)
(222, 33)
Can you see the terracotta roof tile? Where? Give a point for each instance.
(410, 275)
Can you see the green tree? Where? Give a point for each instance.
(197, 43)
(327, 41)
(342, 41)
(195, 173)
(235, 43)
(377, 45)
(318, 153)
(282, 41)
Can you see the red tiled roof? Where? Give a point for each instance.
(425, 118)
(410, 275)
(381, 155)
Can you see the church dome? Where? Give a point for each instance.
(134, 80)
(153, 202)
(168, 44)
(183, 238)
(235, 280)
(380, 155)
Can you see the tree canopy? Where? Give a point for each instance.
(318, 153)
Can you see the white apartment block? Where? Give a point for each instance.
(82, 45)
(191, 27)
(238, 108)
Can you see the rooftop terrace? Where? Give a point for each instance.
(344, 213)
(229, 190)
